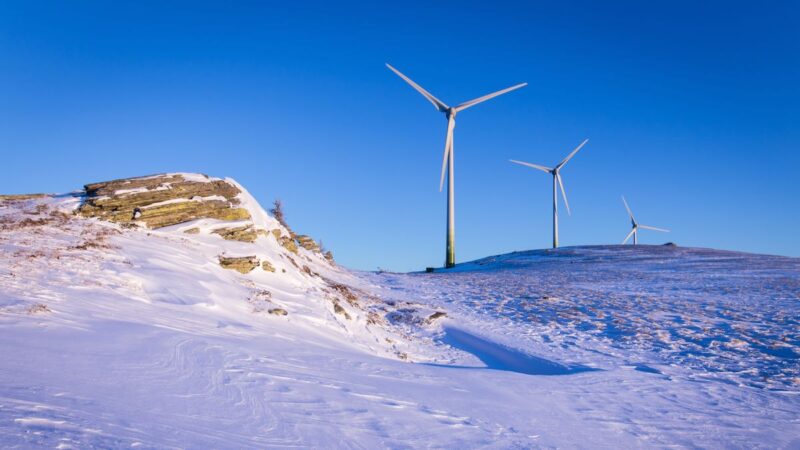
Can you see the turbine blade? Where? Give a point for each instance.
(628, 208)
(629, 236)
(535, 166)
(562, 163)
(563, 192)
(474, 102)
(448, 144)
(648, 227)
(436, 102)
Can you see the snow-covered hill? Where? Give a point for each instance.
(129, 325)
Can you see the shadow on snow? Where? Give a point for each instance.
(500, 357)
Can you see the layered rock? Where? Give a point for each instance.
(246, 233)
(162, 200)
(20, 197)
(267, 266)
(241, 264)
(170, 199)
(286, 241)
(307, 243)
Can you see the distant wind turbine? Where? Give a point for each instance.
(556, 181)
(447, 159)
(636, 225)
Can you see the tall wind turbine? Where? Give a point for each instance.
(447, 160)
(636, 225)
(556, 172)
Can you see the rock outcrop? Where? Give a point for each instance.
(20, 197)
(286, 241)
(307, 243)
(162, 200)
(267, 266)
(246, 233)
(159, 201)
(242, 264)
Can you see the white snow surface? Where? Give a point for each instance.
(118, 338)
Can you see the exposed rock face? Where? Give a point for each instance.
(20, 197)
(436, 316)
(286, 241)
(162, 200)
(242, 264)
(267, 266)
(170, 199)
(307, 243)
(337, 308)
(344, 291)
(245, 234)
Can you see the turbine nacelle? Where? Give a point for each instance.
(450, 113)
(447, 158)
(635, 225)
(557, 180)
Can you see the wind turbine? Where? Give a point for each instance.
(556, 172)
(636, 225)
(447, 160)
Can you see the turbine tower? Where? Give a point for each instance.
(447, 159)
(636, 225)
(556, 172)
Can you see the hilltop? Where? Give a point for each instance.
(192, 244)
(173, 311)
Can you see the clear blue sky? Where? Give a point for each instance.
(692, 110)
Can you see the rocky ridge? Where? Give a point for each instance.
(221, 224)
(162, 200)
(159, 201)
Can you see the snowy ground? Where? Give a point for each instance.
(724, 316)
(127, 338)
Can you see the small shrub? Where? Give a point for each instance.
(39, 308)
(277, 212)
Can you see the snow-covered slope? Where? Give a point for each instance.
(52, 256)
(120, 336)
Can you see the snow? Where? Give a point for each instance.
(183, 200)
(195, 177)
(498, 357)
(188, 176)
(258, 214)
(146, 342)
(137, 190)
(192, 177)
(731, 315)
